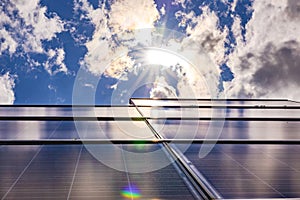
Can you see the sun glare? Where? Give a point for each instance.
(163, 57)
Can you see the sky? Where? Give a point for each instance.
(106, 51)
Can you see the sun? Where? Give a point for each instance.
(162, 57)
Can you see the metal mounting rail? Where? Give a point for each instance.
(64, 118)
(68, 118)
(156, 141)
(207, 99)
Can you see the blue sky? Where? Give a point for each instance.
(253, 46)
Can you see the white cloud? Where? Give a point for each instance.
(52, 87)
(111, 29)
(180, 2)
(8, 42)
(161, 89)
(119, 66)
(25, 25)
(55, 62)
(192, 84)
(98, 47)
(7, 84)
(127, 15)
(204, 43)
(89, 85)
(37, 27)
(207, 35)
(233, 5)
(237, 31)
(163, 9)
(267, 64)
(117, 31)
(185, 18)
(44, 28)
(82, 5)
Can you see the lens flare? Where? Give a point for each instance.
(131, 192)
(139, 145)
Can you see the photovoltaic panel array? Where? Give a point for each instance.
(253, 147)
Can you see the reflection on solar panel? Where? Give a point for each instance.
(152, 149)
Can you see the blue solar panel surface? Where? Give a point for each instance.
(71, 171)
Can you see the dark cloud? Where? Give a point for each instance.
(210, 43)
(280, 67)
(245, 64)
(293, 8)
(243, 93)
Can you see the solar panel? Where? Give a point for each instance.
(200, 129)
(150, 150)
(68, 111)
(216, 102)
(70, 171)
(225, 113)
(250, 171)
(28, 129)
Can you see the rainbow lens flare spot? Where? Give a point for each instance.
(139, 145)
(131, 192)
